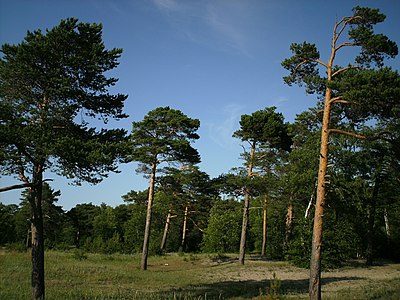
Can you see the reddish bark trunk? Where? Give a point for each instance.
(315, 262)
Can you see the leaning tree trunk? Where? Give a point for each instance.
(37, 279)
(145, 252)
(166, 229)
(315, 262)
(245, 220)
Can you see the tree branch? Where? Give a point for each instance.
(26, 184)
(244, 149)
(344, 45)
(337, 35)
(342, 101)
(16, 186)
(197, 226)
(320, 62)
(311, 201)
(358, 136)
(339, 99)
(310, 60)
(345, 21)
(21, 170)
(344, 69)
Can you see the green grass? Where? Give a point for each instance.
(175, 277)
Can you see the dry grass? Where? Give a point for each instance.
(187, 277)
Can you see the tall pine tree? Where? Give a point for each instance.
(51, 84)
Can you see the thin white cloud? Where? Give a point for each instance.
(168, 6)
(221, 133)
(218, 23)
(115, 8)
(280, 100)
(226, 21)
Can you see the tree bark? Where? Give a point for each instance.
(371, 222)
(245, 220)
(14, 187)
(164, 239)
(387, 228)
(387, 225)
(37, 256)
(315, 262)
(184, 227)
(264, 240)
(145, 252)
(289, 224)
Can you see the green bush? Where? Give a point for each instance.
(224, 227)
(338, 242)
(17, 246)
(299, 247)
(79, 254)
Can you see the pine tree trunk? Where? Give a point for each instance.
(37, 278)
(387, 225)
(245, 220)
(184, 227)
(264, 240)
(371, 222)
(145, 252)
(388, 230)
(315, 262)
(289, 224)
(164, 239)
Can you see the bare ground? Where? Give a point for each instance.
(257, 274)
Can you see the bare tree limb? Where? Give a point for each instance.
(340, 100)
(197, 226)
(358, 136)
(311, 60)
(320, 62)
(345, 21)
(345, 45)
(16, 186)
(20, 186)
(311, 201)
(344, 69)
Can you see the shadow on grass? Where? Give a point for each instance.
(361, 263)
(251, 288)
(220, 258)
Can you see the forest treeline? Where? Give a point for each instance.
(195, 213)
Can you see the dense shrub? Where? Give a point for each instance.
(224, 226)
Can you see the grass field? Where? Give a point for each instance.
(188, 277)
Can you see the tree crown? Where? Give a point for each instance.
(48, 83)
(164, 135)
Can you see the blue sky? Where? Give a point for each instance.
(212, 59)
